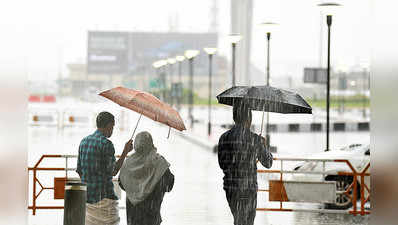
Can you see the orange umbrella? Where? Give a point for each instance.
(145, 104)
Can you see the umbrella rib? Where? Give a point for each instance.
(136, 126)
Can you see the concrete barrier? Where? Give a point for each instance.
(310, 127)
(43, 118)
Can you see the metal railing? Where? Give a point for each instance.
(35, 169)
(352, 188)
(37, 184)
(350, 191)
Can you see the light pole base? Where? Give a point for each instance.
(192, 121)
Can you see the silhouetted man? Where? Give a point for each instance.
(238, 151)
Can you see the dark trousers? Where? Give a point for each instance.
(243, 206)
(142, 214)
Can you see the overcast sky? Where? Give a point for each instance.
(44, 35)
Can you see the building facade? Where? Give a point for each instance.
(126, 58)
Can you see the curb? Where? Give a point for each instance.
(312, 127)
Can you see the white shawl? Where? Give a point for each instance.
(142, 170)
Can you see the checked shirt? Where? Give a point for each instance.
(95, 164)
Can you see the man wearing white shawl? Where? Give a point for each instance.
(145, 176)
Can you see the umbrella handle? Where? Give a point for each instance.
(168, 135)
(262, 123)
(136, 127)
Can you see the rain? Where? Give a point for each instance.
(211, 112)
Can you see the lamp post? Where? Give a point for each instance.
(344, 83)
(210, 52)
(157, 65)
(364, 93)
(328, 8)
(365, 69)
(163, 75)
(171, 62)
(234, 39)
(179, 59)
(268, 28)
(190, 55)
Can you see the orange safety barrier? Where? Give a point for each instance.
(49, 98)
(59, 182)
(35, 170)
(34, 98)
(353, 186)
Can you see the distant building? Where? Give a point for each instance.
(125, 58)
(341, 83)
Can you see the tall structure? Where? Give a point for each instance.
(173, 22)
(213, 28)
(321, 40)
(241, 23)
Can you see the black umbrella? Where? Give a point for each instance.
(265, 98)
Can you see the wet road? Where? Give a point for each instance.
(197, 197)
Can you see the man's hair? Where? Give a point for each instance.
(104, 118)
(241, 113)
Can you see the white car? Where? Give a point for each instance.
(358, 155)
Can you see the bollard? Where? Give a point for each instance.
(75, 203)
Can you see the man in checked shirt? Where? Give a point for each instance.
(238, 151)
(96, 165)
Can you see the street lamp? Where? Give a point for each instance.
(268, 27)
(210, 52)
(157, 65)
(328, 8)
(190, 55)
(234, 39)
(365, 67)
(171, 61)
(179, 59)
(163, 75)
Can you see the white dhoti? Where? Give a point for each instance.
(104, 212)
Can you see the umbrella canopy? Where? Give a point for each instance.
(265, 98)
(145, 104)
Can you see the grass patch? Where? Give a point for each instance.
(357, 101)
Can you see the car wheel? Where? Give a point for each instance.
(342, 200)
